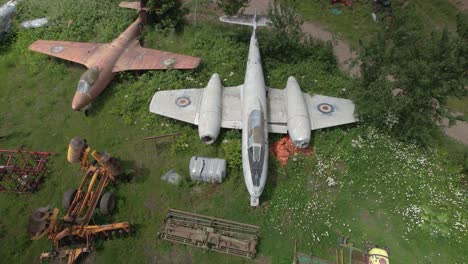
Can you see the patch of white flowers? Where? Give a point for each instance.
(414, 182)
(415, 185)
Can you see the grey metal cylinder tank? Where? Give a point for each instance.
(207, 169)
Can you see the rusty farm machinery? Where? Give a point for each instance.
(211, 233)
(21, 171)
(72, 236)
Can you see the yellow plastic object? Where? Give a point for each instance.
(378, 256)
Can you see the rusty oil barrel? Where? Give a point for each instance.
(75, 149)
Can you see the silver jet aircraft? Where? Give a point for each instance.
(254, 108)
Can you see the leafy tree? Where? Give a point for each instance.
(232, 7)
(462, 25)
(286, 21)
(287, 40)
(169, 14)
(408, 76)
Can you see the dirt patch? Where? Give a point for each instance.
(459, 131)
(261, 6)
(263, 260)
(340, 166)
(344, 55)
(176, 256)
(460, 4)
(375, 220)
(150, 204)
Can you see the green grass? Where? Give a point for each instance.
(356, 23)
(298, 202)
(459, 105)
(352, 25)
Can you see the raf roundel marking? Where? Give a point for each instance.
(325, 108)
(183, 101)
(57, 49)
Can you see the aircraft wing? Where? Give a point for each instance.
(324, 111)
(277, 111)
(78, 52)
(184, 105)
(138, 58)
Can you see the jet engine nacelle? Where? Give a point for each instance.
(298, 114)
(209, 120)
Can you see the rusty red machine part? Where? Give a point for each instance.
(21, 171)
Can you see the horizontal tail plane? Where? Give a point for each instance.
(135, 5)
(247, 20)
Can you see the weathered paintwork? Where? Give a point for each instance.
(104, 61)
(254, 108)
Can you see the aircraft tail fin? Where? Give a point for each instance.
(139, 6)
(247, 20)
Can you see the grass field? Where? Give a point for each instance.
(360, 183)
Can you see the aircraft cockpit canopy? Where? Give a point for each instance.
(256, 141)
(87, 80)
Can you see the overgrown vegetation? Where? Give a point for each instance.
(408, 77)
(168, 14)
(232, 7)
(360, 182)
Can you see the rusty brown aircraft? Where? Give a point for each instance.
(105, 60)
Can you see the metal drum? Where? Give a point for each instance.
(75, 149)
(207, 169)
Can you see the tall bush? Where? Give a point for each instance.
(233, 7)
(408, 75)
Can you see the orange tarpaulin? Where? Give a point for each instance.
(285, 148)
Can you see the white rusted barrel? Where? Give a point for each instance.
(207, 169)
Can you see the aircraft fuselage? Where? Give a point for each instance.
(254, 125)
(100, 72)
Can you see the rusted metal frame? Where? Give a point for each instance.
(89, 231)
(94, 229)
(106, 171)
(77, 203)
(43, 153)
(31, 163)
(102, 183)
(52, 225)
(209, 218)
(202, 231)
(218, 224)
(189, 242)
(225, 250)
(242, 233)
(85, 157)
(89, 192)
(75, 252)
(237, 235)
(33, 170)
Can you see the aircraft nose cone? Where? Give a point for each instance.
(80, 100)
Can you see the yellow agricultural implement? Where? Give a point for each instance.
(71, 235)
